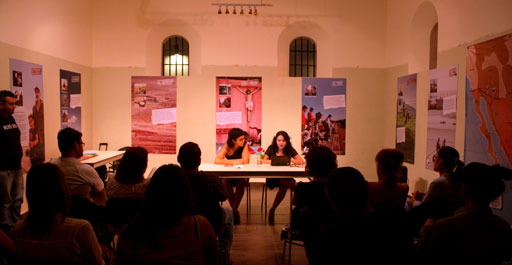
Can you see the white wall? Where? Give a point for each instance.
(369, 42)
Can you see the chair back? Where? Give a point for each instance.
(121, 211)
(105, 145)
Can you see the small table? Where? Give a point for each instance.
(254, 171)
(100, 158)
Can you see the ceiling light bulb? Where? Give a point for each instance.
(227, 10)
(234, 10)
(242, 11)
(255, 11)
(220, 11)
(250, 10)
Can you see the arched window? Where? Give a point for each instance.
(175, 56)
(433, 47)
(303, 57)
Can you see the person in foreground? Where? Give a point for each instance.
(354, 235)
(208, 192)
(234, 152)
(166, 230)
(281, 146)
(312, 208)
(473, 235)
(46, 233)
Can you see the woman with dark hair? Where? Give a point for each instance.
(473, 235)
(388, 192)
(444, 194)
(46, 233)
(281, 146)
(166, 230)
(312, 208)
(234, 152)
(129, 180)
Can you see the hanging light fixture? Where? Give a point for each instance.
(250, 6)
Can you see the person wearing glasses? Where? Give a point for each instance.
(81, 179)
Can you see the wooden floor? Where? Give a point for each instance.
(257, 242)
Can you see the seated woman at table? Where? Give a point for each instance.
(281, 146)
(234, 152)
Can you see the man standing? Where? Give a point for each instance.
(11, 176)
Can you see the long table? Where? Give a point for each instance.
(254, 171)
(101, 158)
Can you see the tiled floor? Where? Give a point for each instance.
(257, 242)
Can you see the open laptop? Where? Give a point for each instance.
(280, 161)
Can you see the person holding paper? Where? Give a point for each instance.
(234, 152)
(281, 146)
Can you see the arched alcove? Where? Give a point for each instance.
(160, 33)
(310, 30)
(422, 24)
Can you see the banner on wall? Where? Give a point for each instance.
(406, 116)
(27, 85)
(488, 110)
(70, 100)
(324, 113)
(442, 111)
(154, 113)
(238, 105)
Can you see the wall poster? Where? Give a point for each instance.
(442, 110)
(27, 85)
(154, 113)
(406, 116)
(324, 113)
(70, 100)
(238, 105)
(489, 110)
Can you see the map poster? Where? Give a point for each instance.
(489, 111)
(442, 110)
(154, 113)
(26, 82)
(324, 113)
(238, 105)
(70, 100)
(488, 102)
(406, 116)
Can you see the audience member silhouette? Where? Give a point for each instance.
(126, 190)
(166, 229)
(354, 236)
(388, 193)
(444, 193)
(46, 233)
(312, 209)
(208, 193)
(473, 235)
(129, 181)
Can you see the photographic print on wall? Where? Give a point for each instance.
(70, 100)
(238, 105)
(27, 85)
(154, 113)
(406, 116)
(324, 113)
